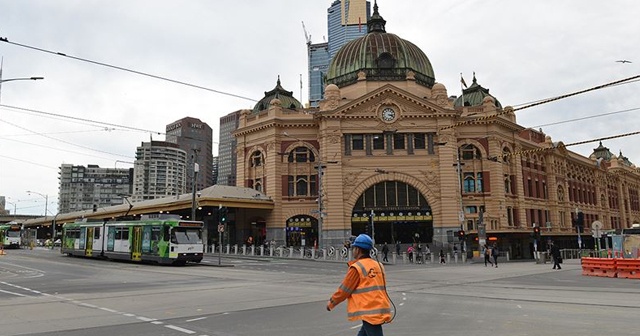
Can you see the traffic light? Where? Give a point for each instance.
(461, 234)
(580, 220)
(222, 214)
(536, 232)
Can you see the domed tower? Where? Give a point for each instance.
(285, 97)
(379, 56)
(474, 95)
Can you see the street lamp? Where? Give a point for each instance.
(16, 79)
(22, 78)
(46, 203)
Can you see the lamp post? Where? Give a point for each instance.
(196, 168)
(15, 79)
(46, 203)
(14, 208)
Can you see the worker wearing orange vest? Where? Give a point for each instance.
(364, 287)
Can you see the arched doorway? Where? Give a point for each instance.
(302, 230)
(400, 213)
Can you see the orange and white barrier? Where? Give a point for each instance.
(611, 268)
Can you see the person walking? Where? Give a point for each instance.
(442, 261)
(495, 253)
(555, 254)
(397, 249)
(487, 255)
(385, 252)
(364, 288)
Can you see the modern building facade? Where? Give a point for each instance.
(196, 138)
(91, 187)
(388, 151)
(346, 20)
(214, 171)
(160, 170)
(227, 149)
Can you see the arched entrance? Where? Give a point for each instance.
(302, 230)
(400, 213)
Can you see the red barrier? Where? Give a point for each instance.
(628, 268)
(599, 267)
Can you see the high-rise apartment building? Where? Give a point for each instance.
(160, 170)
(215, 170)
(194, 137)
(227, 149)
(346, 20)
(92, 187)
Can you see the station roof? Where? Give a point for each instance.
(214, 196)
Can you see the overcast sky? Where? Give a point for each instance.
(522, 51)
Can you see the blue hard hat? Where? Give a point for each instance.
(363, 241)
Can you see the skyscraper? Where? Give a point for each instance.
(159, 171)
(346, 20)
(194, 137)
(227, 149)
(83, 188)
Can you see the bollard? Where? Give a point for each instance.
(455, 258)
(235, 249)
(228, 248)
(324, 254)
(404, 257)
(290, 251)
(261, 250)
(271, 251)
(393, 257)
(448, 258)
(301, 252)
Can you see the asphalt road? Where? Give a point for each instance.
(45, 293)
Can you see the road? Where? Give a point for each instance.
(45, 293)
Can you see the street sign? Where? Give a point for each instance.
(595, 229)
(221, 228)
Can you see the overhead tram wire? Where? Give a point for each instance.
(585, 118)
(65, 142)
(82, 119)
(544, 101)
(4, 39)
(562, 145)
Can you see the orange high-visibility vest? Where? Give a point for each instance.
(369, 301)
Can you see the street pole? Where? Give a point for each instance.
(196, 168)
(320, 215)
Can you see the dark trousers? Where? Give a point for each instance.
(495, 260)
(369, 329)
(487, 259)
(556, 263)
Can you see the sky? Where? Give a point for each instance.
(83, 113)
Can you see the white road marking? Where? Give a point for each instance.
(128, 314)
(186, 331)
(88, 305)
(109, 310)
(196, 319)
(157, 322)
(355, 327)
(519, 306)
(12, 293)
(146, 319)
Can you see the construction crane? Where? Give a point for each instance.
(306, 35)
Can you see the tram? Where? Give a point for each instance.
(164, 239)
(10, 235)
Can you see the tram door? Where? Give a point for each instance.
(136, 243)
(89, 245)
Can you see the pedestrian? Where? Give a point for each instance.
(495, 253)
(410, 253)
(385, 252)
(398, 248)
(364, 288)
(487, 255)
(442, 261)
(419, 254)
(555, 254)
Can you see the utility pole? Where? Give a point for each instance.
(196, 168)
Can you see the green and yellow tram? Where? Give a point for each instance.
(10, 235)
(165, 239)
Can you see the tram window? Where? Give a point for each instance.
(155, 233)
(125, 234)
(96, 233)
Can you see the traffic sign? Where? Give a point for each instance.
(596, 227)
(220, 228)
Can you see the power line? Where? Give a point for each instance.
(29, 162)
(544, 101)
(4, 39)
(54, 148)
(82, 119)
(585, 118)
(63, 141)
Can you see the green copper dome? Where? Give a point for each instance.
(381, 56)
(286, 99)
(474, 95)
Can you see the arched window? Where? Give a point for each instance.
(301, 154)
(256, 159)
(469, 152)
(469, 183)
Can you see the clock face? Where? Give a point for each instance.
(388, 114)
